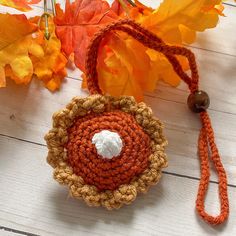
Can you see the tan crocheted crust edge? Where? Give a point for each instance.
(63, 173)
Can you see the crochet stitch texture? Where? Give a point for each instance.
(103, 182)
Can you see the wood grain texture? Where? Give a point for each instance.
(39, 205)
(30, 201)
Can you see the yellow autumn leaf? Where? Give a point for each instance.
(177, 22)
(162, 69)
(16, 43)
(119, 69)
(173, 18)
(127, 67)
(25, 52)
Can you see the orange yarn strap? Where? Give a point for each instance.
(206, 141)
(206, 144)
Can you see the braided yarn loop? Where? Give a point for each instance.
(112, 183)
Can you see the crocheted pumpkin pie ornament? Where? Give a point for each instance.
(107, 149)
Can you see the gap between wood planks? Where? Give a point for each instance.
(15, 231)
(164, 99)
(229, 4)
(164, 172)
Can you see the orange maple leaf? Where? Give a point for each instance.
(50, 66)
(78, 23)
(24, 52)
(22, 5)
(15, 45)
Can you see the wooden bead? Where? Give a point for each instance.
(198, 101)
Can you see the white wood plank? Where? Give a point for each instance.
(6, 233)
(37, 11)
(231, 2)
(31, 201)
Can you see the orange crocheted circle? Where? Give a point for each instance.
(107, 174)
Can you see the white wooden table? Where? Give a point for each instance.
(32, 203)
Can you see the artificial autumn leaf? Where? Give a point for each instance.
(16, 43)
(167, 20)
(22, 5)
(127, 67)
(163, 70)
(50, 67)
(120, 70)
(216, 8)
(117, 7)
(25, 52)
(177, 23)
(130, 11)
(80, 21)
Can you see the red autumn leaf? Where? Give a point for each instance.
(78, 23)
(120, 6)
(117, 8)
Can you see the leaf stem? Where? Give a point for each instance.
(53, 7)
(131, 3)
(124, 6)
(46, 32)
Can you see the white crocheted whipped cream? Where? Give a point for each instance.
(107, 143)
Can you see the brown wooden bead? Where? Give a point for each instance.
(198, 101)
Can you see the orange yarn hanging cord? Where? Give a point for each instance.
(198, 101)
(206, 141)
